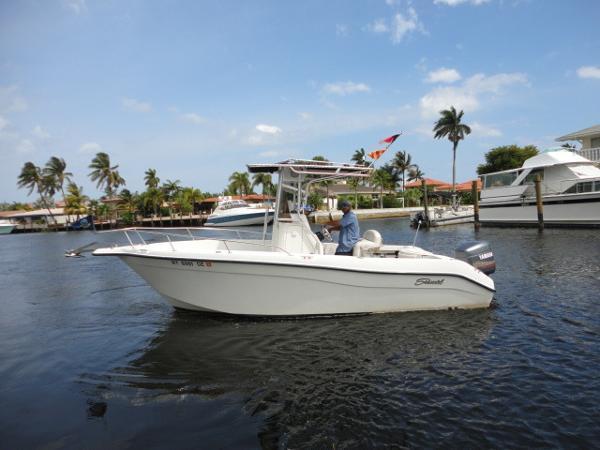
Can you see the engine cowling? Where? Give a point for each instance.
(477, 253)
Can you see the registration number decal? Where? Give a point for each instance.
(191, 263)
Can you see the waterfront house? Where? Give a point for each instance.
(589, 138)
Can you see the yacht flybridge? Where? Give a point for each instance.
(293, 273)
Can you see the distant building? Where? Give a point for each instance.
(589, 138)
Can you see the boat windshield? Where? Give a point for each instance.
(500, 179)
(233, 204)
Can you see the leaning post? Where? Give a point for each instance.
(425, 206)
(475, 196)
(539, 202)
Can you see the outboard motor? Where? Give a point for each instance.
(477, 253)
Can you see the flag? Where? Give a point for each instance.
(377, 153)
(390, 140)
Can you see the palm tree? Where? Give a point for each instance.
(193, 195)
(382, 179)
(56, 171)
(105, 175)
(415, 173)
(360, 157)
(263, 179)
(150, 178)
(449, 125)
(32, 177)
(354, 182)
(129, 200)
(170, 190)
(402, 162)
(154, 198)
(75, 200)
(239, 182)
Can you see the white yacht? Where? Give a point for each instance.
(234, 213)
(570, 188)
(6, 226)
(294, 273)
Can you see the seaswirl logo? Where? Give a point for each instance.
(421, 281)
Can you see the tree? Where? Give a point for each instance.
(154, 198)
(450, 126)
(170, 190)
(415, 173)
(193, 195)
(150, 178)
(402, 162)
(75, 200)
(506, 157)
(32, 177)
(129, 200)
(382, 179)
(104, 174)
(354, 182)
(265, 180)
(359, 157)
(239, 182)
(55, 175)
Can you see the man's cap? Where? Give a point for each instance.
(345, 204)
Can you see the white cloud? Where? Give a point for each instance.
(90, 147)
(305, 116)
(3, 123)
(341, 30)
(268, 129)
(11, 100)
(459, 2)
(588, 72)
(378, 26)
(482, 130)
(131, 104)
(77, 6)
(443, 75)
(345, 88)
(466, 97)
(25, 146)
(269, 154)
(40, 133)
(193, 118)
(402, 25)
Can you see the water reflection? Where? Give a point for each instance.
(327, 381)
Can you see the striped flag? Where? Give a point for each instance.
(390, 140)
(377, 153)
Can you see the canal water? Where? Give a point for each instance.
(92, 357)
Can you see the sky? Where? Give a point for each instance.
(198, 89)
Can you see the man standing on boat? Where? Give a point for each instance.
(348, 228)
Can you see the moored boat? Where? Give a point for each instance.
(233, 213)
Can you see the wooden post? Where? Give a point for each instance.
(539, 202)
(425, 206)
(475, 196)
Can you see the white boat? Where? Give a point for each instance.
(6, 226)
(293, 273)
(444, 216)
(235, 213)
(570, 191)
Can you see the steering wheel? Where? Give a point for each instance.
(326, 234)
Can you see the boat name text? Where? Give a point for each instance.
(421, 281)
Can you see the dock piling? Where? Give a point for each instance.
(539, 202)
(475, 196)
(425, 201)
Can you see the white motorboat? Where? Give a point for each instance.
(570, 192)
(293, 273)
(6, 227)
(234, 213)
(448, 215)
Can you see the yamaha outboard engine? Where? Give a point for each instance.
(477, 253)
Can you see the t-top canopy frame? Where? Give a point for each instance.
(311, 167)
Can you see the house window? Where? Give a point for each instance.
(595, 142)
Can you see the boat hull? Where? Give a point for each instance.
(580, 212)
(244, 288)
(6, 229)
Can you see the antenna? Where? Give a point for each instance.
(417, 232)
